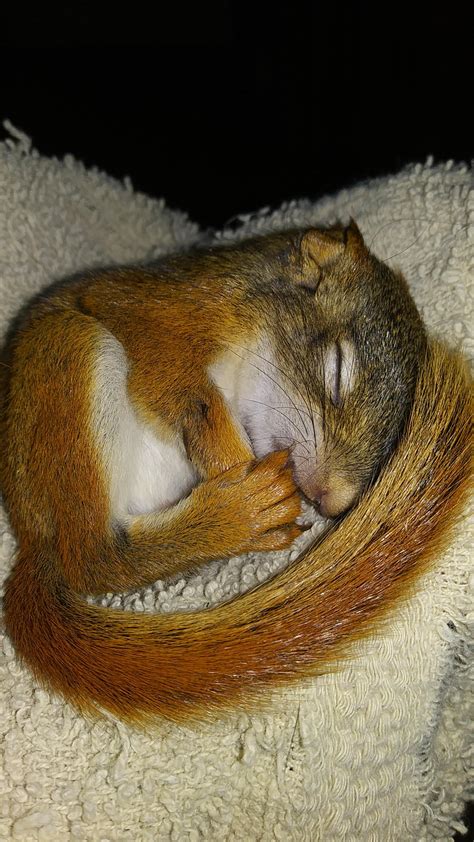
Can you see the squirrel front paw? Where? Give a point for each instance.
(213, 439)
(253, 505)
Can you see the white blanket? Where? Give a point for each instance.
(378, 751)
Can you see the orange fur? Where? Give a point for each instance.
(299, 623)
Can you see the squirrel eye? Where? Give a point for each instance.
(340, 370)
(332, 373)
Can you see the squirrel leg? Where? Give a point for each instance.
(252, 506)
(242, 505)
(213, 438)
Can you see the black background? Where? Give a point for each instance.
(223, 107)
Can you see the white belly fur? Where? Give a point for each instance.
(146, 474)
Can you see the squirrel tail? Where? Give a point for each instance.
(297, 624)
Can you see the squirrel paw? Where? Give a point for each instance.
(257, 505)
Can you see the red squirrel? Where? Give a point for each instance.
(155, 418)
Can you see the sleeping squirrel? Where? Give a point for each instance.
(155, 418)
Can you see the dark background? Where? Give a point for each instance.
(222, 107)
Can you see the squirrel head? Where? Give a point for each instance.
(334, 371)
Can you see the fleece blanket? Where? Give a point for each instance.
(378, 751)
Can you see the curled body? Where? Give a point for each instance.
(155, 418)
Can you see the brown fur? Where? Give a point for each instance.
(298, 624)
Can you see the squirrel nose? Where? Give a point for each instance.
(325, 504)
(333, 493)
(334, 497)
(320, 501)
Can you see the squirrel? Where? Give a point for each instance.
(157, 417)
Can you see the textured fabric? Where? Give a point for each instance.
(378, 751)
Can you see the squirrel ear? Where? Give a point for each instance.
(319, 248)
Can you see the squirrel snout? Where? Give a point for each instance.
(324, 484)
(333, 496)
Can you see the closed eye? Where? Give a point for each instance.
(340, 370)
(332, 373)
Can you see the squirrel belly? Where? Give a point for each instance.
(130, 456)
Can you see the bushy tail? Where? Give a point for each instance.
(300, 623)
